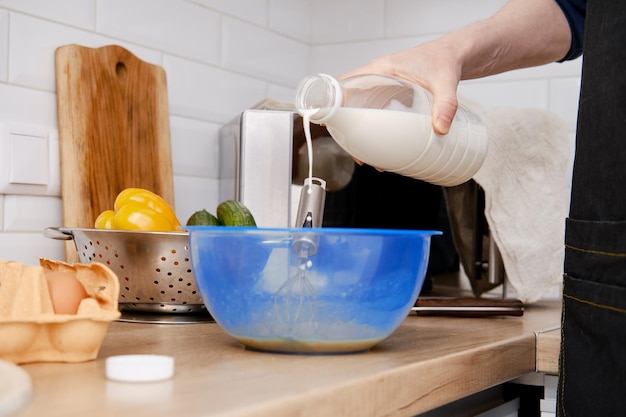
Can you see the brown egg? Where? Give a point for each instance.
(66, 291)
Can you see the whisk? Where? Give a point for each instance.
(295, 302)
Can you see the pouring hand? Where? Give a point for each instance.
(523, 33)
(429, 65)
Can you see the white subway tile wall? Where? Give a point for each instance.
(77, 13)
(27, 105)
(336, 58)
(248, 10)
(348, 20)
(221, 57)
(23, 213)
(292, 17)
(268, 55)
(175, 27)
(209, 93)
(409, 17)
(4, 44)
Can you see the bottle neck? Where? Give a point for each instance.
(318, 97)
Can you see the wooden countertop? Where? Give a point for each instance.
(548, 346)
(427, 362)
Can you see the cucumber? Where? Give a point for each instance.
(233, 213)
(202, 218)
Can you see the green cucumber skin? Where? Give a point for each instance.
(233, 213)
(202, 218)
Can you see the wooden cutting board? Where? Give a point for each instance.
(114, 130)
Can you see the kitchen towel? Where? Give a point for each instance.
(526, 180)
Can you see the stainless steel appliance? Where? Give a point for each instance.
(264, 163)
(256, 164)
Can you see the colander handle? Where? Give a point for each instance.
(57, 233)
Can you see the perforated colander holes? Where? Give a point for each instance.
(88, 253)
(163, 292)
(191, 282)
(105, 257)
(175, 286)
(125, 287)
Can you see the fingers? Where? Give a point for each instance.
(445, 101)
(444, 109)
(361, 163)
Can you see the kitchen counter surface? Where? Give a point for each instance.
(426, 363)
(548, 346)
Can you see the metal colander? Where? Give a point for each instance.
(154, 268)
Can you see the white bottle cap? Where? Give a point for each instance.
(139, 368)
(16, 388)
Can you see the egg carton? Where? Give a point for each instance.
(30, 331)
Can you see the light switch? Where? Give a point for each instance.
(29, 159)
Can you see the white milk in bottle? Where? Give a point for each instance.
(386, 122)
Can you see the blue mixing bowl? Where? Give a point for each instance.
(326, 290)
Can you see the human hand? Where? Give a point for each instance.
(432, 65)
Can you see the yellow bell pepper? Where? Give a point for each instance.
(139, 209)
(105, 220)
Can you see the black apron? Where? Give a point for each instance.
(592, 377)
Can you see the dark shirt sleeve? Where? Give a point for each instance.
(574, 11)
